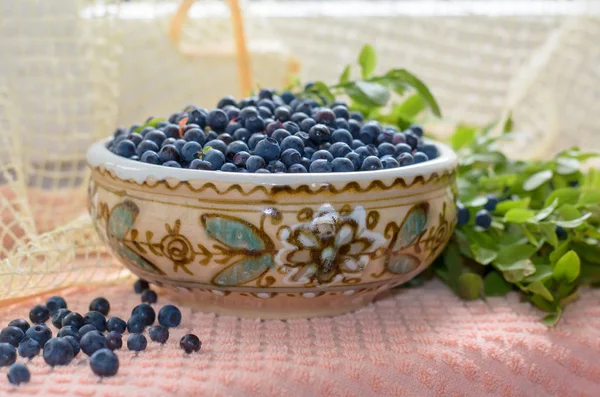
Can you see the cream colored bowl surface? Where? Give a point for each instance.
(273, 245)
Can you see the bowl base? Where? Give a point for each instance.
(278, 306)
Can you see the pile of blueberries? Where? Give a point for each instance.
(92, 334)
(272, 133)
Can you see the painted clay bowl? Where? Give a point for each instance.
(273, 245)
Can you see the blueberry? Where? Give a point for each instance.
(171, 131)
(398, 137)
(235, 147)
(405, 159)
(292, 142)
(228, 167)
(248, 102)
(369, 132)
(303, 106)
(114, 340)
(197, 117)
(8, 354)
(307, 124)
(305, 163)
(339, 149)
(116, 324)
(354, 128)
(417, 130)
(429, 149)
(145, 312)
(268, 149)
(135, 138)
(58, 316)
(341, 124)
(74, 319)
(371, 163)
(159, 333)
(319, 134)
(68, 330)
(150, 157)
(342, 135)
(402, 148)
(198, 164)
(217, 120)
(137, 342)
(20, 323)
(188, 127)
(169, 153)
(341, 111)
(54, 303)
(280, 134)
(226, 138)
(276, 166)
(232, 127)
(254, 139)
(91, 342)
(140, 285)
(190, 151)
(356, 143)
(266, 103)
(169, 316)
(136, 324)
(363, 152)
(309, 151)
(95, 318)
(264, 112)
(304, 136)
(216, 158)
(254, 163)
(85, 329)
(58, 351)
(262, 171)
(125, 148)
(190, 343)
(483, 219)
(240, 158)
(561, 233)
(287, 97)
(171, 163)
(386, 149)
(168, 141)
(241, 134)
(462, 214)
(18, 373)
(39, 314)
(492, 202)
(290, 156)
(74, 342)
(29, 348)
(195, 135)
(356, 160)
(254, 124)
(389, 162)
(216, 144)
(320, 165)
(420, 157)
(342, 164)
(271, 127)
(291, 127)
(146, 145)
(356, 115)
(297, 169)
(298, 117)
(101, 305)
(12, 335)
(325, 116)
(104, 362)
(226, 101)
(211, 135)
(322, 155)
(411, 139)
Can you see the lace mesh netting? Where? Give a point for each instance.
(73, 70)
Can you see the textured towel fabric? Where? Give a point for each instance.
(418, 342)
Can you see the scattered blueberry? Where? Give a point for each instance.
(58, 351)
(159, 333)
(145, 312)
(68, 330)
(40, 333)
(8, 354)
(92, 341)
(58, 316)
(137, 342)
(149, 296)
(114, 340)
(483, 219)
(85, 329)
(74, 342)
(54, 303)
(29, 348)
(462, 214)
(140, 285)
(136, 324)
(561, 233)
(19, 323)
(18, 373)
(492, 202)
(12, 335)
(39, 314)
(96, 318)
(104, 362)
(190, 343)
(169, 316)
(116, 324)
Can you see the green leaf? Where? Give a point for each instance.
(589, 197)
(551, 319)
(545, 212)
(508, 124)
(470, 286)
(567, 268)
(567, 166)
(536, 180)
(369, 94)
(345, 76)
(543, 304)
(411, 107)
(542, 273)
(574, 222)
(367, 61)
(476, 202)
(518, 215)
(483, 255)
(506, 205)
(569, 212)
(405, 77)
(549, 232)
(559, 251)
(515, 253)
(322, 91)
(539, 289)
(463, 136)
(495, 285)
(566, 195)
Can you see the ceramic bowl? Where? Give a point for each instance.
(273, 245)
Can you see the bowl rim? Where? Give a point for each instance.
(98, 156)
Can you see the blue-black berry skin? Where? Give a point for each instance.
(58, 351)
(12, 335)
(169, 316)
(280, 134)
(136, 324)
(235, 147)
(242, 134)
(254, 163)
(341, 123)
(171, 131)
(68, 330)
(430, 150)
(417, 130)
(104, 363)
(411, 139)
(140, 285)
(307, 124)
(74, 342)
(149, 296)
(254, 124)
(287, 97)
(116, 324)
(369, 132)
(197, 117)
(150, 157)
(297, 169)
(195, 135)
(54, 303)
(101, 305)
(341, 111)
(125, 148)
(217, 120)
(319, 133)
(405, 159)
(276, 166)
(292, 142)
(561, 233)
(18, 373)
(290, 157)
(85, 329)
(342, 135)
(325, 116)
(215, 157)
(39, 314)
(169, 153)
(483, 219)
(320, 166)
(254, 139)
(19, 323)
(268, 149)
(114, 340)
(241, 158)
(492, 202)
(211, 136)
(146, 312)
(339, 149)
(95, 318)
(225, 138)
(282, 113)
(159, 333)
(137, 342)
(190, 151)
(198, 164)
(190, 343)
(172, 164)
(385, 149)
(233, 126)
(403, 148)
(420, 157)
(91, 342)
(389, 162)
(322, 155)
(291, 127)
(342, 164)
(216, 144)
(228, 100)
(355, 158)
(8, 354)
(156, 136)
(29, 348)
(371, 163)
(168, 141)
(462, 214)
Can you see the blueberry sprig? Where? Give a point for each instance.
(531, 226)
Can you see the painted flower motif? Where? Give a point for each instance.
(327, 248)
